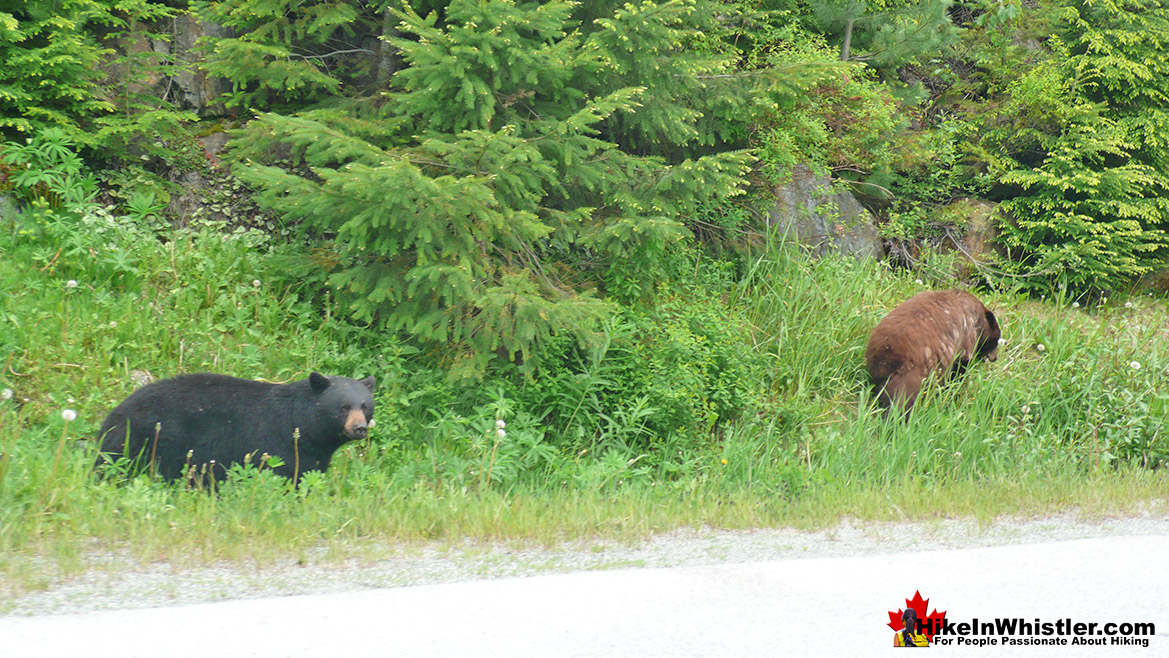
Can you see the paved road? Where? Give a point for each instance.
(792, 607)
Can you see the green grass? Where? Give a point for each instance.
(1074, 426)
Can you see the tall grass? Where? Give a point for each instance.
(1071, 423)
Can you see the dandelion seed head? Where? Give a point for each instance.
(1075, 305)
(500, 424)
(917, 281)
(1040, 347)
(256, 283)
(1128, 304)
(1135, 365)
(69, 415)
(71, 283)
(501, 433)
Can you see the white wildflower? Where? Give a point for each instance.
(1040, 347)
(1002, 341)
(256, 283)
(501, 433)
(113, 324)
(71, 283)
(499, 424)
(371, 423)
(1128, 304)
(1075, 305)
(1026, 409)
(6, 394)
(917, 281)
(69, 415)
(1135, 365)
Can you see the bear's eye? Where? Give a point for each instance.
(366, 410)
(345, 408)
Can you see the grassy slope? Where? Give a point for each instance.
(1037, 431)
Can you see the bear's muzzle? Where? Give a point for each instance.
(356, 424)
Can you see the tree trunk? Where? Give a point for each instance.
(844, 50)
(387, 59)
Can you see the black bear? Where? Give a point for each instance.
(188, 422)
(932, 332)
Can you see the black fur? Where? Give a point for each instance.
(221, 418)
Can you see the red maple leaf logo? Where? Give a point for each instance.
(929, 623)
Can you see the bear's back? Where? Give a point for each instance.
(931, 332)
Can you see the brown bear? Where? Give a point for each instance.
(938, 331)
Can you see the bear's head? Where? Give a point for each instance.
(347, 401)
(988, 337)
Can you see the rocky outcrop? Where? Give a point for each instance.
(822, 217)
(970, 229)
(197, 91)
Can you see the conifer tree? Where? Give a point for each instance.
(887, 33)
(486, 200)
(50, 73)
(1093, 214)
(284, 52)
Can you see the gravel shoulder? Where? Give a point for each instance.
(116, 583)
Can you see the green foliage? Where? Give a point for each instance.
(1091, 215)
(996, 39)
(144, 126)
(845, 126)
(51, 65)
(1083, 219)
(888, 34)
(490, 225)
(663, 379)
(1116, 52)
(46, 170)
(286, 51)
(55, 53)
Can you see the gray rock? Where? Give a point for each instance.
(822, 217)
(198, 90)
(8, 209)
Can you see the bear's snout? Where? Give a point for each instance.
(356, 424)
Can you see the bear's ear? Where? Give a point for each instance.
(318, 381)
(992, 324)
(368, 382)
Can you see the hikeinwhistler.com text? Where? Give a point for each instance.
(1016, 631)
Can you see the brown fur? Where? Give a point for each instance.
(932, 332)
